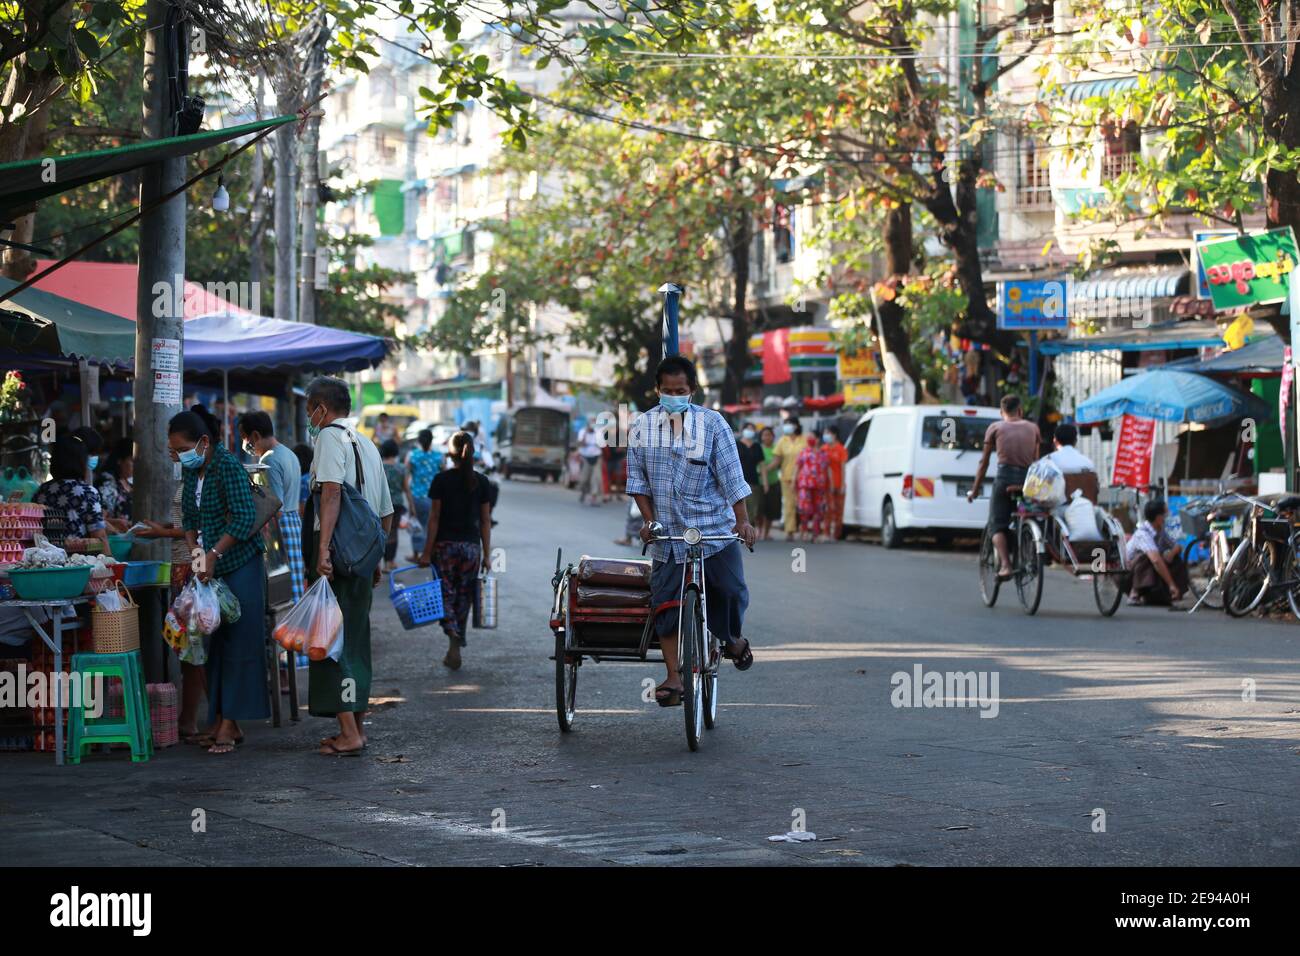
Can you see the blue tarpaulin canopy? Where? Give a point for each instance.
(253, 343)
(1262, 357)
(1171, 396)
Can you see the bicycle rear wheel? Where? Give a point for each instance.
(566, 685)
(1202, 575)
(1245, 580)
(691, 649)
(989, 582)
(1029, 568)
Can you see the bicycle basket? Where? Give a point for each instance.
(417, 603)
(1195, 520)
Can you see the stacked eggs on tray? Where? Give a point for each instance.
(19, 523)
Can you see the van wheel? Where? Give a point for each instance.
(890, 535)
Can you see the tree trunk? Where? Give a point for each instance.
(738, 354)
(898, 263)
(25, 139)
(958, 224)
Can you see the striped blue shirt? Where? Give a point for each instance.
(693, 475)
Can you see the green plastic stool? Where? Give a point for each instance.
(135, 727)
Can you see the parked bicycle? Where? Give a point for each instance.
(1212, 524)
(1267, 559)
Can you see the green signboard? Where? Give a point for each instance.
(1249, 270)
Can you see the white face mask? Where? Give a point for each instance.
(747, 434)
(827, 437)
(787, 429)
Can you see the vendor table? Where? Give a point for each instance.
(63, 614)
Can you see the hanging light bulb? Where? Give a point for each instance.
(221, 198)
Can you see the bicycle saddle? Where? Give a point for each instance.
(1014, 490)
(1288, 503)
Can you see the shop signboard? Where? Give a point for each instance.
(859, 365)
(1202, 283)
(1033, 304)
(862, 393)
(1244, 271)
(1132, 468)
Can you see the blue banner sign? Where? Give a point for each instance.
(1033, 304)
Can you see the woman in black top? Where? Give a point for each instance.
(460, 535)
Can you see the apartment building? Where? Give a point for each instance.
(429, 200)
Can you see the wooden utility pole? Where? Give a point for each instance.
(159, 313)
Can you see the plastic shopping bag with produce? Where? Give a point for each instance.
(227, 601)
(314, 624)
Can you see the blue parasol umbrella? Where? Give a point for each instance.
(1169, 395)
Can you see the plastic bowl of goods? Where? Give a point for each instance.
(120, 545)
(50, 584)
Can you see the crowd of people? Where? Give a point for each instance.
(214, 533)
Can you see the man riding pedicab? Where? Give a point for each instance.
(683, 471)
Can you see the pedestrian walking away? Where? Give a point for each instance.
(690, 476)
(460, 539)
(341, 689)
(422, 464)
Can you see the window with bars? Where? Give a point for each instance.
(1037, 20)
(1033, 177)
(1123, 145)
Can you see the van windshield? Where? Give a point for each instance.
(951, 433)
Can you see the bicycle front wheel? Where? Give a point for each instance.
(1202, 574)
(1029, 568)
(1245, 580)
(691, 648)
(989, 582)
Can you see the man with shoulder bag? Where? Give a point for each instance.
(344, 530)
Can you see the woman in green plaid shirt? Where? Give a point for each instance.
(218, 515)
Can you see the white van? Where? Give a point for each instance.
(910, 467)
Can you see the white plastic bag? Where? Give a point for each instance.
(1081, 518)
(1045, 483)
(205, 611)
(314, 624)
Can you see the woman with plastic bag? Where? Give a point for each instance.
(219, 518)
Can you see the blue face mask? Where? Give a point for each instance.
(675, 403)
(191, 458)
(92, 462)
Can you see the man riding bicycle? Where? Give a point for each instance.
(683, 471)
(1016, 441)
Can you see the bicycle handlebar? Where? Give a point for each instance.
(705, 537)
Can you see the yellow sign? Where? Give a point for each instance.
(859, 365)
(862, 393)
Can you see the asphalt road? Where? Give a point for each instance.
(1129, 740)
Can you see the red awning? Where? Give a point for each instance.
(111, 287)
(825, 403)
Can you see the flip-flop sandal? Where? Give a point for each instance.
(745, 660)
(229, 745)
(331, 751)
(673, 697)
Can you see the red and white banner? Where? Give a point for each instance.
(1137, 437)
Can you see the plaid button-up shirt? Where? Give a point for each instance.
(694, 478)
(226, 508)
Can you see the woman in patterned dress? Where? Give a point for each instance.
(69, 496)
(460, 532)
(813, 484)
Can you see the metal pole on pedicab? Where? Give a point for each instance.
(672, 303)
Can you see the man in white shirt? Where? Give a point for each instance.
(589, 484)
(341, 688)
(1066, 457)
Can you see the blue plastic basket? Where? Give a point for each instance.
(140, 573)
(419, 603)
